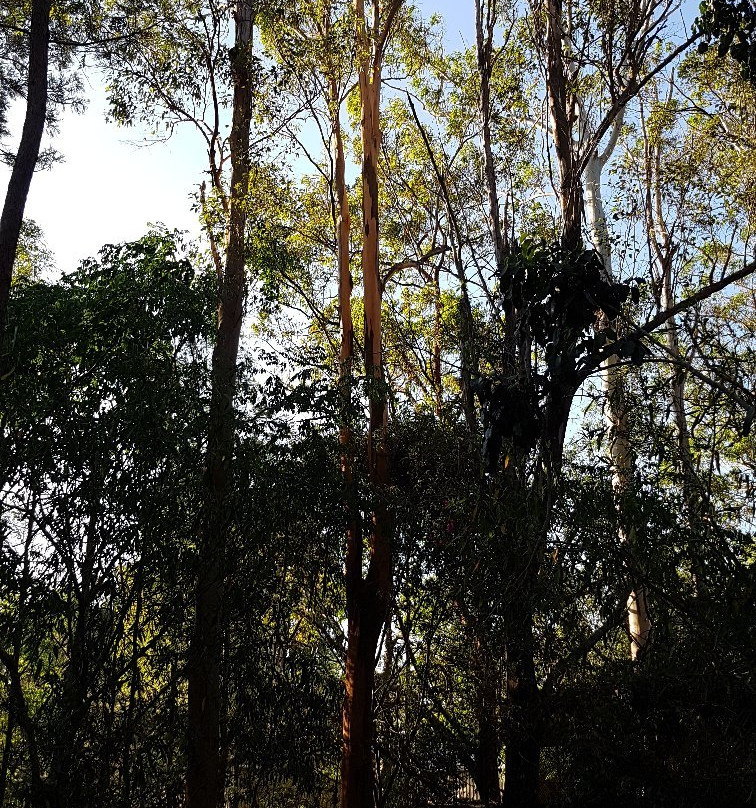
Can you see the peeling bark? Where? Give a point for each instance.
(368, 596)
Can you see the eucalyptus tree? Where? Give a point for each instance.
(687, 179)
(368, 594)
(565, 355)
(205, 776)
(186, 65)
(585, 121)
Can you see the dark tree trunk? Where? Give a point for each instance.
(365, 619)
(485, 21)
(489, 741)
(205, 775)
(523, 751)
(7, 745)
(28, 150)
(561, 110)
(15, 707)
(66, 785)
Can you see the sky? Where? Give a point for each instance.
(111, 184)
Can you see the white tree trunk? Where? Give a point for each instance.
(615, 408)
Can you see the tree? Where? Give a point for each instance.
(46, 48)
(28, 151)
(368, 597)
(205, 778)
(482, 616)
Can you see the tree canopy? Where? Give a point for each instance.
(425, 474)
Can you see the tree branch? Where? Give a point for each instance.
(410, 263)
(662, 317)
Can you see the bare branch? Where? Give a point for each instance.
(412, 263)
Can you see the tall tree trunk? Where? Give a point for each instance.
(346, 352)
(572, 132)
(696, 501)
(37, 791)
(134, 685)
(485, 21)
(368, 597)
(487, 681)
(522, 767)
(28, 150)
(435, 368)
(13, 707)
(487, 687)
(616, 414)
(18, 711)
(623, 467)
(66, 784)
(561, 104)
(10, 728)
(205, 775)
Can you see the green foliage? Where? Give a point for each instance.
(101, 414)
(104, 422)
(561, 293)
(733, 26)
(504, 546)
(33, 258)
(557, 296)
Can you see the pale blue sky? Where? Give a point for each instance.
(111, 185)
(107, 188)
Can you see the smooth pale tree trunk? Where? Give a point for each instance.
(576, 168)
(205, 769)
(664, 252)
(368, 596)
(615, 410)
(28, 151)
(623, 466)
(696, 503)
